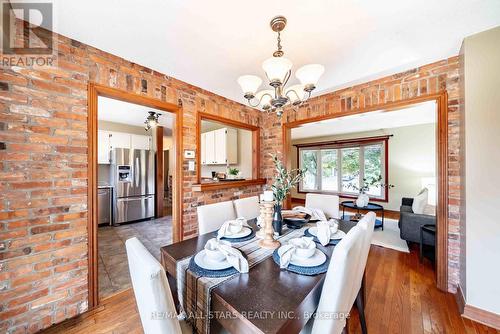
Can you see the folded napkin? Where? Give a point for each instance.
(325, 230)
(285, 252)
(316, 214)
(233, 256)
(224, 230)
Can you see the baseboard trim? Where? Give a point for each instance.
(482, 316)
(460, 299)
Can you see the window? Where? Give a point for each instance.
(340, 167)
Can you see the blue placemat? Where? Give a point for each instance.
(248, 237)
(210, 273)
(309, 271)
(332, 242)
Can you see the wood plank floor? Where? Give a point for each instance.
(401, 298)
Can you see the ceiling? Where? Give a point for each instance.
(210, 43)
(117, 111)
(424, 113)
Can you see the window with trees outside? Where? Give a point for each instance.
(340, 167)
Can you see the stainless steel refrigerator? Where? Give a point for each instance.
(133, 178)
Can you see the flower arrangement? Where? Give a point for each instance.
(284, 180)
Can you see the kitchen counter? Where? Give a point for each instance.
(213, 185)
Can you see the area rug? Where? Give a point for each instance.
(389, 237)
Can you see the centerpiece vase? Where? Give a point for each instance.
(277, 219)
(362, 200)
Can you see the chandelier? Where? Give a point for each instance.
(151, 120)
(278, 72)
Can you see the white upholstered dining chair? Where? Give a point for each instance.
(212, 216)
(152, 292)
(367, 225)
(247, 207)
(329, 204)
(336, 296)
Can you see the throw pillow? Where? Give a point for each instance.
(420, 201)
(430, 210)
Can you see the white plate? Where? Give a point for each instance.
(245, 231)
(317, 259)
(338, 235)
(203, 261)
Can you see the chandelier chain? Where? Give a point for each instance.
(279, 42)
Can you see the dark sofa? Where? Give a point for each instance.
(410, 223)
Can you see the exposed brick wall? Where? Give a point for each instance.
(43, 175)
(429, 79)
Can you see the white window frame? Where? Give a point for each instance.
(338, 149)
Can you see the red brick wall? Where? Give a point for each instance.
(43, 175)
(429, 79)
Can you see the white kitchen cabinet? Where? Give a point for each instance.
(219, 147)
(120, 140)
(107, 140)
(103, 147)
(203, 156)
(140, 142)
(209, 148)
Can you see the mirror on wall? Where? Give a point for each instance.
(226, 152)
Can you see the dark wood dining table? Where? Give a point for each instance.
(265, 300)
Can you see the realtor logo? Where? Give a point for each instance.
(27, 30)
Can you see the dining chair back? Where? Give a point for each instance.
(212, 216)
(336, 297)
(358, 293)
(248, 207)
(329, 204)
(367, 225)
(152, 291)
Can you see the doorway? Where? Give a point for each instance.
(441, 101)
(126, 182)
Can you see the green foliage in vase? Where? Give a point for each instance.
(233, 171)
(369, 182)
(284, 180)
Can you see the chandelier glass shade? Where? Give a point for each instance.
(278, 70)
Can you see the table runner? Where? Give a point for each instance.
(195, 291)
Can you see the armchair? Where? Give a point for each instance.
(410, 223)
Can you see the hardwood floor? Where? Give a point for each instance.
(117, 315)
(401, 298)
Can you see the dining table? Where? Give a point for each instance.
(267, 299)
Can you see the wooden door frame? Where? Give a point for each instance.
(441, 100)
(94, 91)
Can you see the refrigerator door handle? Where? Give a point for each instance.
(136, 172)
(131, 199)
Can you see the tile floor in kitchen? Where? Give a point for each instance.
(113, 264)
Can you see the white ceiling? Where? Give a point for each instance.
(423, 113)
(128, 113)
(211, 43)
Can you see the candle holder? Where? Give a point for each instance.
(268, 241)
(261, 232)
